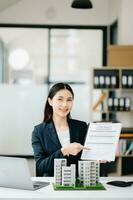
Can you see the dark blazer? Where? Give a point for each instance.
(46, 145)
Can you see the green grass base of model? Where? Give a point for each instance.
(98, 186)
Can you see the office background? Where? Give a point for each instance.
(43, 42)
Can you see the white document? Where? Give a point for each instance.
(102, 139)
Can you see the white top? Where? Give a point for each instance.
(64, 137)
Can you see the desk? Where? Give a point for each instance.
(47, 193)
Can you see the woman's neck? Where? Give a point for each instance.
(60, 122)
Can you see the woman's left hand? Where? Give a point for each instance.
(104, 161)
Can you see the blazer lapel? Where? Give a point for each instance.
(53, 135)
(73, 131)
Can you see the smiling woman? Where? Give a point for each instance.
(58, 136)
(59, 100)
(61, 103)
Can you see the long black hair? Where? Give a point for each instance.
(48, 111)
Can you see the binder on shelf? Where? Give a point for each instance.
(124, 81)
(112, 117)
(107, 81)
(104, 117)
(101, 81)
(130, 81)
(127, 104)
(96, 81)
(116, 104)
(110, 104)
(113, 82)
(130, 149)
(121, 104)
(123, 146)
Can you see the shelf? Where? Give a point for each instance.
(121, 58)
(127, 89)
(117, 89)
(126, 135)
(107, 111)
(124, 156)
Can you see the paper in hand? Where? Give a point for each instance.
(102, 139)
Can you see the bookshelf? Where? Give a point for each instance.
(121, 57)
(115, 104)
(116, 91)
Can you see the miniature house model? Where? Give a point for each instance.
(58, 164)
(68, 176)
(88, 172)
(64, 175)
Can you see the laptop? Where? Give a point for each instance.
(14, 173)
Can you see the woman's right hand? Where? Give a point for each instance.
(72, 149)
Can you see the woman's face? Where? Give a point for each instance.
(61, 103)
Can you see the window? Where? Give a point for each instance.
(25, 55)
(48, 55)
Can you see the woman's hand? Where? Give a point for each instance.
(104, 161)
(72, 149)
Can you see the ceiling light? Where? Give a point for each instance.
(82, 4)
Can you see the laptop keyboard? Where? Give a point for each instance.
(38, 185)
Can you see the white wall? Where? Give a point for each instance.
(114, 9)
(55, 12)
(126, 22)
(122, 10)
(59, 12)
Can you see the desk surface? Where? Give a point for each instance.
(47, 193)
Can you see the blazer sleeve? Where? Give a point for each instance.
(44, 163)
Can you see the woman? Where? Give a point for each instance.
(58, 136)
